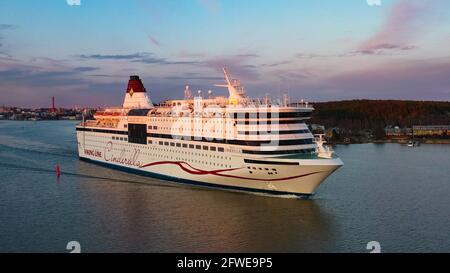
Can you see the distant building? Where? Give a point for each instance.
(395, 132)
(317, 129)
(432, 131)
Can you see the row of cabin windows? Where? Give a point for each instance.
(195, 130)
(191, 146)
(258, 133)
(211, 148)
(180, 145)
(269, 115)
(195, 120)
(120, 138)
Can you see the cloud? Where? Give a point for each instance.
(192, 78)
(380, 49)
(405, 21)
(154, 41)
(85, 69)
(35, 82)
(310, 56)
(247, 55)
(186, 54)
(7, 26)
(276, 64)
(145, 58)
(114, 57)
(237, 64)
(421, 79)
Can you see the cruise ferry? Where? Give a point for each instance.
(230, 142)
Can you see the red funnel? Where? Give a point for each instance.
(136, 85)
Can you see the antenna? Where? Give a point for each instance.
(187, 93)
(227, 75)
(286, 100)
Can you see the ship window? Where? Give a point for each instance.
(205, 148)
(198, 147)
(213, 149)
(114, 138)
(172, 144)
(166, 143)
(125, 126)
(178, 144)
(221, 150)
(137, 133)
(185, 145)
(138, 112)
(161, 143)
(191, 146)
(149, 142)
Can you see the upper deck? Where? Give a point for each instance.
(256, 126)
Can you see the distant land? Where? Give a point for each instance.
(373, 114)
(376, 120)
(352, 121)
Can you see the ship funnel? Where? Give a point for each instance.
(136, 95)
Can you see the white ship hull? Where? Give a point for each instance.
(225, 170)
(233, 143)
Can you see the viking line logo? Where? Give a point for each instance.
(93, 153)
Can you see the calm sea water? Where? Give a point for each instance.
(388, 193)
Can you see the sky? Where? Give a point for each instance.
(83, 51)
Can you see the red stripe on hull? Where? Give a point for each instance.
(196, 171)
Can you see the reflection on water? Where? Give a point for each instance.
(155, 218)
(387, 193)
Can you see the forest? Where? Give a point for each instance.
(374, 115)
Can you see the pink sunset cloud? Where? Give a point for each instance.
(154, 41)
(419, 79)
(405, 22)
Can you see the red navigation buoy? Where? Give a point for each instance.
(58, 171)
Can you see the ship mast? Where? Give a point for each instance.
(235, 90)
